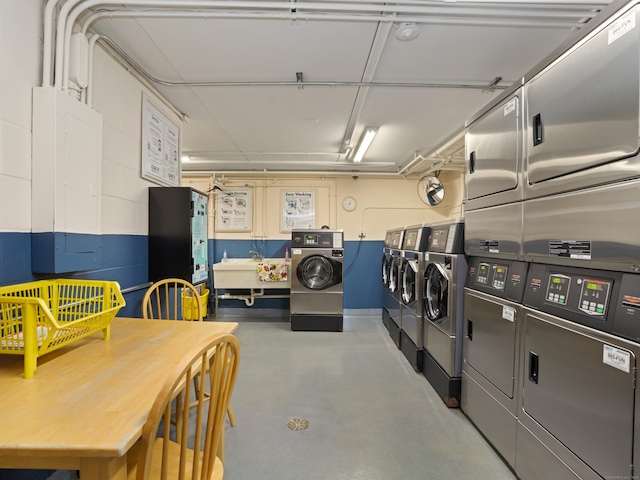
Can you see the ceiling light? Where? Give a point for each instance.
(185, 158)
(407, 32)
(364, 142)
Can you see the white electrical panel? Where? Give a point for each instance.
(67, 175)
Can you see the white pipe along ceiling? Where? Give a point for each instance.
(289, 86)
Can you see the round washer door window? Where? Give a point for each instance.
(394, 281)
(386, 268)
(318, 272)
(409, 271)
(436, 292)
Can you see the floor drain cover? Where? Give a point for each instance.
(298, 424)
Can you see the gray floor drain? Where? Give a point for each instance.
(298, 424)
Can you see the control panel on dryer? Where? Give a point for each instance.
(576, 294)
(503, 278)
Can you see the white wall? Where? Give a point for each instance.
(383, 203)
(20, 67)
(117, 94)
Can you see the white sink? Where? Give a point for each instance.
(243, 273)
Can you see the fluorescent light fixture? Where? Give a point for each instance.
(364, 142)
(185, 158)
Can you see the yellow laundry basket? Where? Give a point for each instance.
(39, 317)
(190, 307)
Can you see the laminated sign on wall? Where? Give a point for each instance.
(233, 211)
(298, 210)
(160, 146)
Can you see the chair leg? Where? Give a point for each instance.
(232, 418)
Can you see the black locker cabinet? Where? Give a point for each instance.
(178, 226)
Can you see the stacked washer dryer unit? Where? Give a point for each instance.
(394, 306)
(392, 243)
(411, 281)
(578, 415)
(496, 275)
(317, 291)
(444, 273)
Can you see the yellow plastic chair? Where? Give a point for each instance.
(157, 455)
(164, 301)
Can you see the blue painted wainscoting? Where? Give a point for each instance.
(123, 258)
(362, 270)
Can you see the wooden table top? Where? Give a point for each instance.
(91, 398)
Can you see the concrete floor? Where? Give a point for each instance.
(371, 417)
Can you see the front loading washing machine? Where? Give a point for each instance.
(395, 302)
(444, 273)
(413, 247)
(317, 292)
(392, 243)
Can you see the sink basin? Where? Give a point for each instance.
(243, 273)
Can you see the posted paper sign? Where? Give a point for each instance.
(298, 210)
(160, 146)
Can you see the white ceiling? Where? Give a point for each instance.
(262, 119)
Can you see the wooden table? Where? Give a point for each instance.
(87, 403)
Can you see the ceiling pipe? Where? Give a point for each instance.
(406, 170)
(68, 15)
(48, 42)
(445, 9)
(485, 18)
(323, 173)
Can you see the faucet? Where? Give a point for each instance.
(256, 255)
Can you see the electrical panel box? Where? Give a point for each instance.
(178, 227)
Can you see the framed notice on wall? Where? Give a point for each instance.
(298, 210)
(233, 210)
(160, 146)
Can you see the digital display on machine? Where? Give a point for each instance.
(499, 277)
(483, 273)
(558, 289)
(594, 286)
(594, 295)
(311, 240)
(410, 239)
(439, 237)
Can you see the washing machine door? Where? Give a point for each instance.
(436, 293)
(386, 268)
(394, 274)
(408, 284)
(319, 272)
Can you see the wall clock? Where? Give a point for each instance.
(349, 204)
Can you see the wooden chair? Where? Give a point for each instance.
(157, 455)
(164, 301)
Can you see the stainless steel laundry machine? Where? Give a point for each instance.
(444, 273)
(491, 360)
(578, 415)
(411, 280)
(392, 243)
(395, 302)
(494, 183)
(316, 299)
(582, 162)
